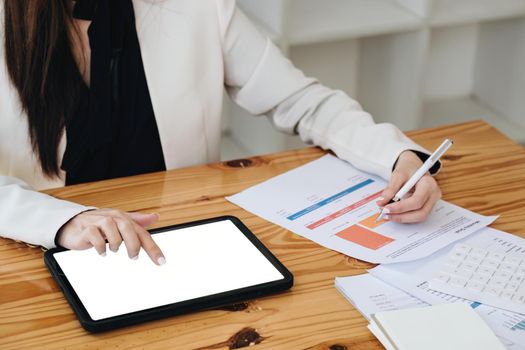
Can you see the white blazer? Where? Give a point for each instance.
(192, 50)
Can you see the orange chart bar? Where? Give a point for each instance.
(371, 223)
(364, 237)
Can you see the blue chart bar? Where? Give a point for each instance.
(329, 200)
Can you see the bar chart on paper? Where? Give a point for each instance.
(334, 204)
(344, 205)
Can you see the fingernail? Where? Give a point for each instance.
(135, 257)
(380, 199)
(161, 261)
(386, 210)
(103, 254)
(386, 217)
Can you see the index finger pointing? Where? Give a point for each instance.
(149, 245)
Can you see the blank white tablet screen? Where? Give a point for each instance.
(200, 260)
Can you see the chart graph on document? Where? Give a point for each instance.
(334, 204)
(349, 213)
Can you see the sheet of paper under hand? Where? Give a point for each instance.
(334, 204)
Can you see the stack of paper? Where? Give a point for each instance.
(413, 278)
(333, 204)
(370, 295)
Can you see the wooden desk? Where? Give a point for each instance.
(484, 172)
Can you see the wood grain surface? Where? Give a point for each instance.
(483, 172)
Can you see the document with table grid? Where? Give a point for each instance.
(415, 278)
(490, 277)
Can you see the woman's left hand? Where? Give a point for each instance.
(417, 206)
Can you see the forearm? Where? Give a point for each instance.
(30, 216)
(264, 82)
(332, 120)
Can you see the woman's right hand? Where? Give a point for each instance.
(95, 228)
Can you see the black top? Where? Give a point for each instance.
(114, 132)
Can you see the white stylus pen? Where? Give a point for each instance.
(434, 157)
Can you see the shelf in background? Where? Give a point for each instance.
(451, 12)
(458, 110)
(313, 21)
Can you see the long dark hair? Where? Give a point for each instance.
(43, 69)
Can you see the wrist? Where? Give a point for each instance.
(409, 159)
(60, 232)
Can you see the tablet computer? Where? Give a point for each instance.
(209, 263)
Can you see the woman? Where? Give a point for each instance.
(136, 86)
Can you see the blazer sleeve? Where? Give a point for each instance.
(30, 216)
(264, 82)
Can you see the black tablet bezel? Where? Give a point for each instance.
(179, 308)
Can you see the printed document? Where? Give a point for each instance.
(413, 277)
(334, 204)
(370, 295)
